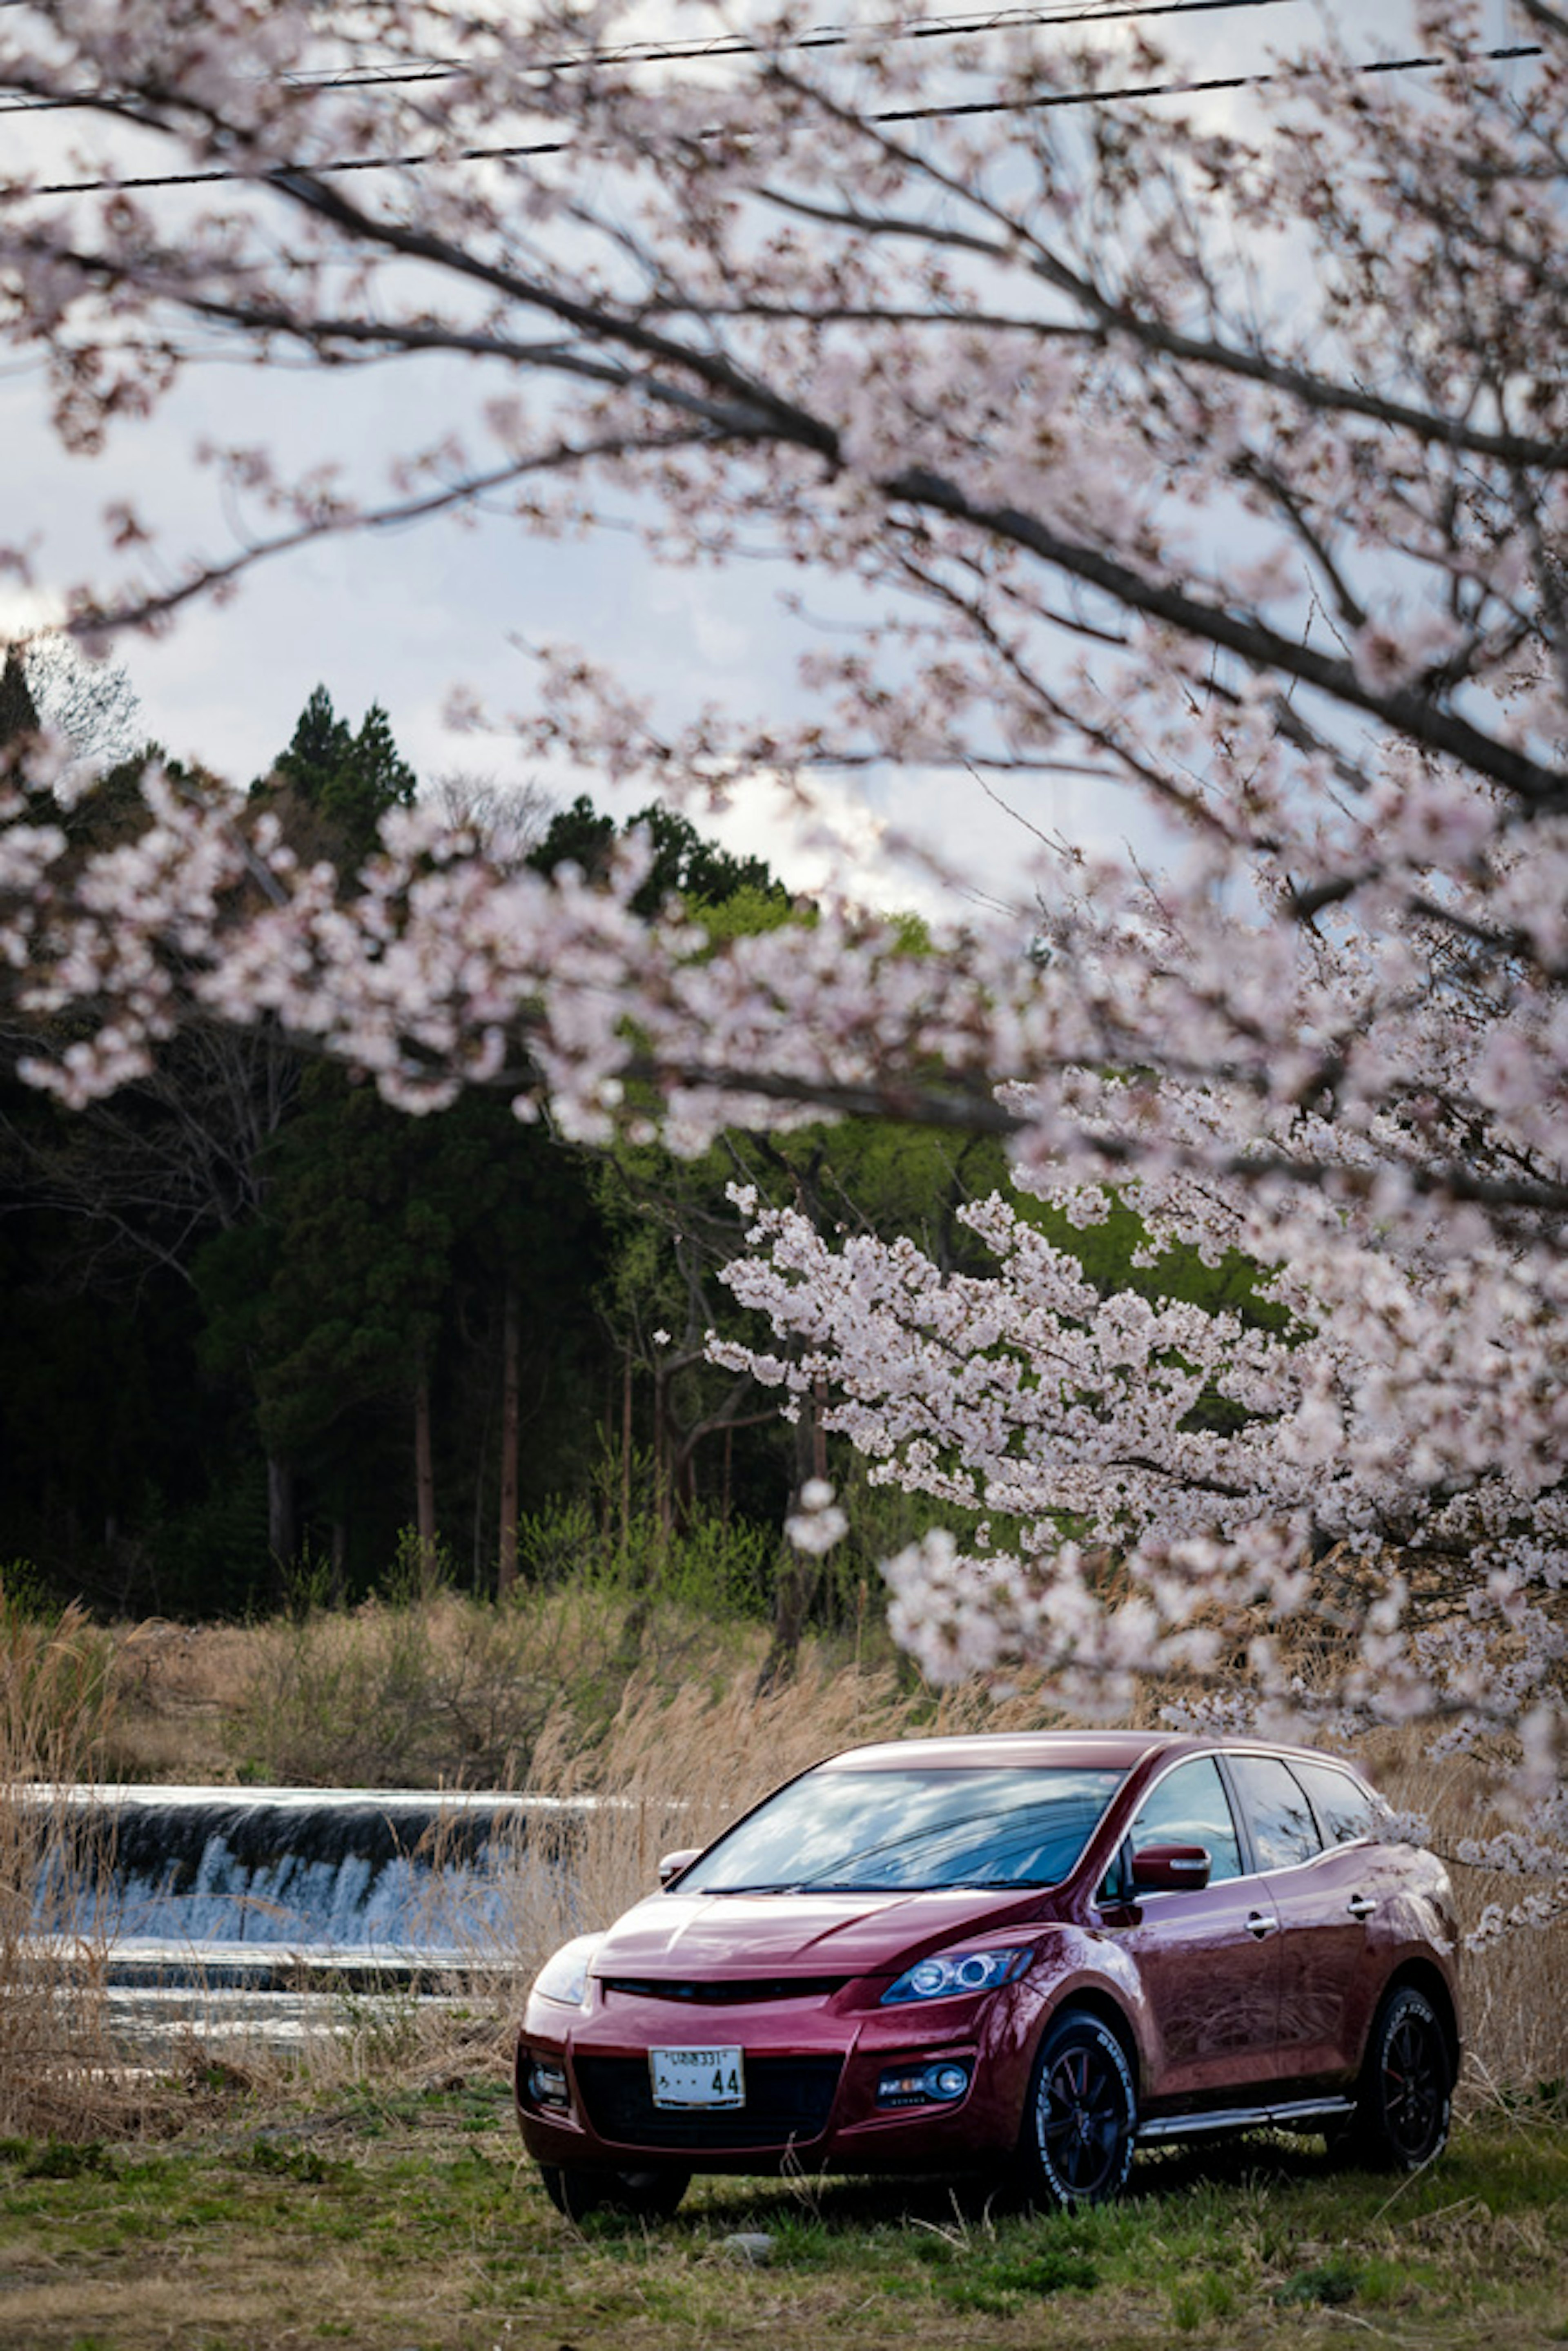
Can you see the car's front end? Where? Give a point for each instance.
(853, 1979)
(832, 2062)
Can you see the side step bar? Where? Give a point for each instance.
(1290, 2114)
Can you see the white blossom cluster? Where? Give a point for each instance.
(1233, 469)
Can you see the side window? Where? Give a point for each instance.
(1190, 1806)
(1342, 1804)
(1284, 1829)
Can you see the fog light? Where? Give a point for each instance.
(924, 2085)
(547, 2085)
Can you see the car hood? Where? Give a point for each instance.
(710, 1937)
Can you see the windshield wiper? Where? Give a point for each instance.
(765, 1885)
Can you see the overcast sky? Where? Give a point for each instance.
(397, 618)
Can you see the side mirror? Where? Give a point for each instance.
(1170, 1868)
(672, 1864)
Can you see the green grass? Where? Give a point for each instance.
(392, 2221)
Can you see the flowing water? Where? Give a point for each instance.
(284, 1911)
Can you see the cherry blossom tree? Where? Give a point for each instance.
(1219, 453)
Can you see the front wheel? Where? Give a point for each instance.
(642, 2195)
(1083, 2114)
(1407, 2088)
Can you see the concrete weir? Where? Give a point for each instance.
(275, 1887)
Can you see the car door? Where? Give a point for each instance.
(1324, 1895)
(1208, 1958)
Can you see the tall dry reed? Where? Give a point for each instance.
(1515, 1990)
(56, 1702)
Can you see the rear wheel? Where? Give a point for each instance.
(1083, 2114)
(644, 2195)
(1407, 2088)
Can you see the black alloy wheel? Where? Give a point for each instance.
(1406, 2086)
(640, 2195)
(1083, 2114)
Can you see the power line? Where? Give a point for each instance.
(279, 176)
(394, 75)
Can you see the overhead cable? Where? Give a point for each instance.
(396, 74)
(279, 176)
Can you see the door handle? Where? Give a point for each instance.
(1259, 1924)
(1361, 1905)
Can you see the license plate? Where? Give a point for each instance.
(698, 2077)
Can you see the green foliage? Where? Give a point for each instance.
(708, 1568)
(1005, 2284)
(25, 1597)
(747, 912)
(348, 780)
(1114, 1253)
(684, 864)
(305, 2165)
(66, 2160)
(1331, 2282)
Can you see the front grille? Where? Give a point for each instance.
(788, 2100)
(737, 1992)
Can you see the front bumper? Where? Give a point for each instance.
(812, 2065)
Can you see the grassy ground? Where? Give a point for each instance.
(409, 2222)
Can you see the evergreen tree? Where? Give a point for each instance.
(345, 779)
(684, 864)
(579, 836)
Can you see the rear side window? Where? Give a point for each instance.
(1190, 1806)
(1341, 1804)
(1277, 1813)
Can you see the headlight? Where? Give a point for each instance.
(564, 1976)
(955, 1972)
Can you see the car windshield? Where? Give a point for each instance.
(910, 1829)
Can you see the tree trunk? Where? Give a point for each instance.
(626, 1453)
(423, 1481)
(792, 1597)
(280, 1535)
(663, 1467)
(797, 1585)
(511, 1359)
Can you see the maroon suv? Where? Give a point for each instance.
(1028, 1953)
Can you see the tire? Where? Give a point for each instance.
(642, 2195)
(1407, 2088)
(1082, 2115)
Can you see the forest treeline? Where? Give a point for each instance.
(263, 1330)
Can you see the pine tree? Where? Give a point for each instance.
(348, 780)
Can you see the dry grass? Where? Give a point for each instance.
(178, 1689)
(1516, 1990)
(56, 1702)
(444, 1692)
